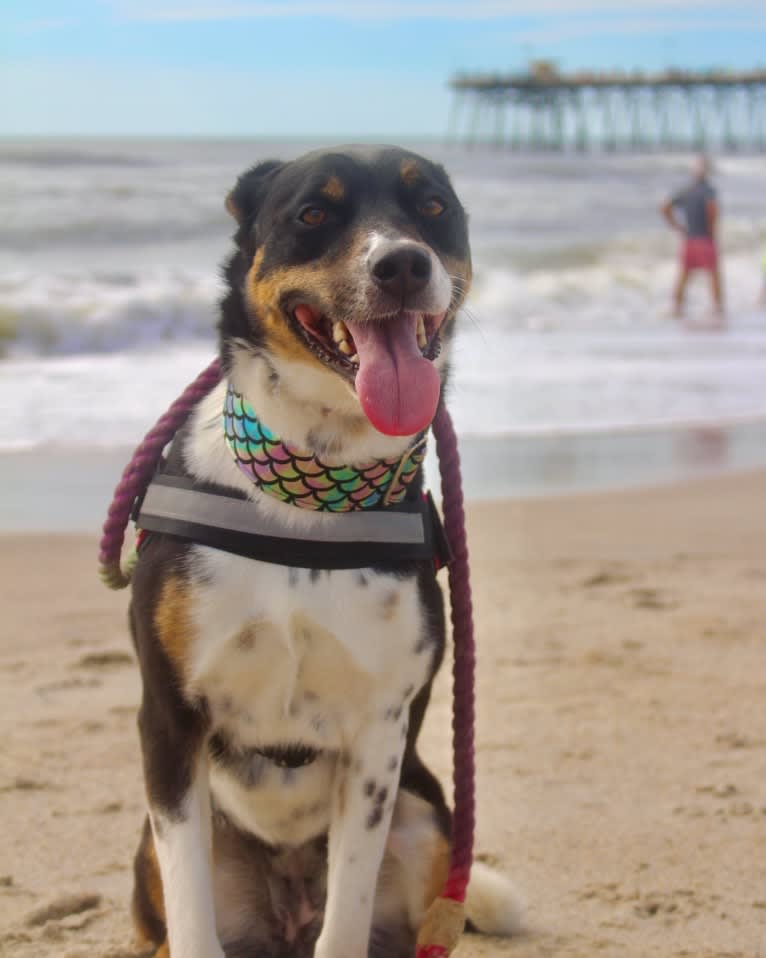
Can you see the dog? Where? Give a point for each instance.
(289, 812)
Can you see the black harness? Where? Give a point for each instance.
(226, 519)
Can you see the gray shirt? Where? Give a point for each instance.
(692, 202)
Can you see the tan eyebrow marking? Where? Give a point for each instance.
(409, 171)
(333, 189)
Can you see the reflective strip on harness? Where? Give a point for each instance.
(405, 532)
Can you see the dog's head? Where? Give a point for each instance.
(353, 262)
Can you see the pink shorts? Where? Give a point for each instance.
(699, 252)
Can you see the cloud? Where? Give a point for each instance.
(45, 23)
(572, 29)
(183, 10)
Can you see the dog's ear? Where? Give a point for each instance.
(245, 199)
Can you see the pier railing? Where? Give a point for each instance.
(545, 110)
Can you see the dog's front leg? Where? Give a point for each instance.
(176, 774)
(182, 840)
(364, 796)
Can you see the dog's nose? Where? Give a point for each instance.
(401, 268)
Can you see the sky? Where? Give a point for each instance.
(323, 68)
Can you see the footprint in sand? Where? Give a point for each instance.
(723, 790)
(651, 599)
(734, 740)
(62, 908)
(65, 684)
(25, 785)
(104, 660)
(605, 577)
(681, 903)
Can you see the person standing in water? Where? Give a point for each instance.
(698, 209)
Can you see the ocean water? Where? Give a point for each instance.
(109, 282)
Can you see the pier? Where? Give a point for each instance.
(543, 109)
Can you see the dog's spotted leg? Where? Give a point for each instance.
(182, 838)
(365, 792)
(179, 812)
(173, 729)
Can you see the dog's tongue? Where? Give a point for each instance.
(397, 387)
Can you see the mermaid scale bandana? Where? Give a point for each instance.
(303, 480)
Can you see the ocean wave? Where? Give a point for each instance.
(105, 312)
(115, 308)
(503, 384)
(90, 230)
(53, 158)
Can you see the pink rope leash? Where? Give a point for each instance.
(444, 920)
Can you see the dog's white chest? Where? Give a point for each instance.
(300, 656)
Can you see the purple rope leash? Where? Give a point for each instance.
(138, 474)
(464, 656)
(444, 920)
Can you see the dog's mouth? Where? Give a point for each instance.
(389, 359)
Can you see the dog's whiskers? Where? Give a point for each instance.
(460, 288)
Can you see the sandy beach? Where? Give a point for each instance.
(621, 736)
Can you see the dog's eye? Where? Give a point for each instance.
(313, 216)
(431, 207)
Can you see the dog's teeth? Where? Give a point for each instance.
(345, 347)
(339, 331)
(354, 359)
(422, 339)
